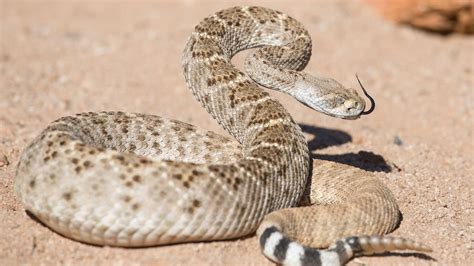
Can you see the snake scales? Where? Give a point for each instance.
(124, 179)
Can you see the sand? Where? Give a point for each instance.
(60, 58)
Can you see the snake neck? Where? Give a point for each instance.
(271, 140)
(230, 96)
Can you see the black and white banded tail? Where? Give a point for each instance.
(283, 250)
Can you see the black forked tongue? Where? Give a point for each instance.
(372, 101)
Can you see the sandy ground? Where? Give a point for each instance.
(59, 58)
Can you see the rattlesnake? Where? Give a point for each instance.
(131, 180)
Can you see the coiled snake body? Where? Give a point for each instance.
(133, 180)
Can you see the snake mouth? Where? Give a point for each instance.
(372, 101)
(354, 117)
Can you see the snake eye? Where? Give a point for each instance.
(338, 101)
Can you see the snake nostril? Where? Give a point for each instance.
(349, 104)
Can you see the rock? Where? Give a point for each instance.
(397, 141)
(441, 16)
(3, 160)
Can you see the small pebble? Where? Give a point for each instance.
(4, 160)
(397, 141)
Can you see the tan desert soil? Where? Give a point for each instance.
(60, 58)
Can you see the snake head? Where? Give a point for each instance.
(329, 97)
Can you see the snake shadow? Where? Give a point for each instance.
(326, 137)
